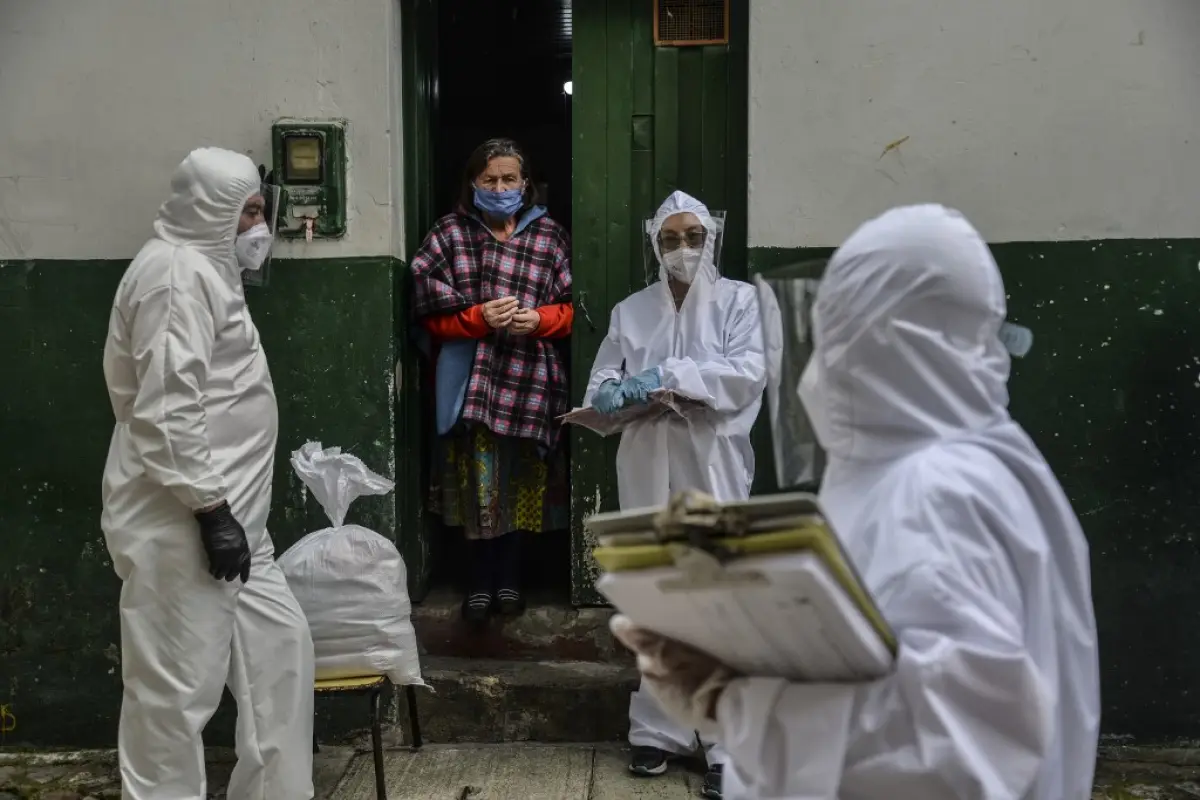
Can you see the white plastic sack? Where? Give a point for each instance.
(349, 580)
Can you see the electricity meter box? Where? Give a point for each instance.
(310, 167)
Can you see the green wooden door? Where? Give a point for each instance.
(419, 63)
(647, 120)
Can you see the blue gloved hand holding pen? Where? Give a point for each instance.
(613, 395)
(638, 388)
(608, 399)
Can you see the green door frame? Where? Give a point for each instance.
(647, 120)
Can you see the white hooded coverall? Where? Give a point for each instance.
(711, 350)
(196, 423)
(959, 529)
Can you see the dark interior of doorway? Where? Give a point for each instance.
(502, 70)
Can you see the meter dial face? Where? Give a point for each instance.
(303, 159)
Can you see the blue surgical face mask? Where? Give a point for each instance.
(1017, 340)
(501, 205)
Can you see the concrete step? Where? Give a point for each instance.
(494, 701)
(547, 631)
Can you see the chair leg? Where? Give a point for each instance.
(377, 746)
(414, 721)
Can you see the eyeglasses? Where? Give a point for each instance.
(694, 238)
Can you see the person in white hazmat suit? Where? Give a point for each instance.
(698, 334)
(187, 489)
(957, 526)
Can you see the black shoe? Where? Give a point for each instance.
(476, 607)
(646, 762)
(712, 782)
(510, 603)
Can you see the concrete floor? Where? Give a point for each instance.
(571, 772)
(518, 771)
(513, 772)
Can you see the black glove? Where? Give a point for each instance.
(225, 543)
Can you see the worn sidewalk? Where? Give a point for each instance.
(437, 772)
(517, 771)
(586, 772)
(514, 772)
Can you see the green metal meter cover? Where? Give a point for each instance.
(309, 159)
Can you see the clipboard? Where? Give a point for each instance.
(734, 564)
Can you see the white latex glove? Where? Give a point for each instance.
(686, 682)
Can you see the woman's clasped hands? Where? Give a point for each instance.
(504, 313)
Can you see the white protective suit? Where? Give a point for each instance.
(196, 422)
(959, 529)
(709, 350)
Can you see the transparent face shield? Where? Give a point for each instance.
(678, 233)
(270, 195)
(786, 297)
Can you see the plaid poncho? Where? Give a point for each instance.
(518, 384)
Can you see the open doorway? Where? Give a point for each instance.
(645, 117)
(502, 69)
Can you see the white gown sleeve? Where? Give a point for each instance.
(609, 358)
(965, 713)
(172, 335)
(731, 381)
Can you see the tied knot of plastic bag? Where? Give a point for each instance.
(336, 479)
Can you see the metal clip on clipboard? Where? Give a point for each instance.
(689, 528)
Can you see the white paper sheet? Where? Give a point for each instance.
(662, 401)
(798, 623)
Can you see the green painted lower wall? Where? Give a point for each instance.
(1111, 393)
(328, 330)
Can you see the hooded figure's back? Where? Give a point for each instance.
(959, 529)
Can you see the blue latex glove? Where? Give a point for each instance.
(638, 388)
(608, 399)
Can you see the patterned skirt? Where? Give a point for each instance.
(491, 485)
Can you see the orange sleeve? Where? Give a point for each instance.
(556, 321)
(468, 324)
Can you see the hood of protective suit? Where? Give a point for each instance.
(683, 203)
(208, 191)
(906, 332)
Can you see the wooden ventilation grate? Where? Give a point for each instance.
(683, 23)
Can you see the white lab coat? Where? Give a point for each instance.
(709, 350)
(959, 529)
(196, 422)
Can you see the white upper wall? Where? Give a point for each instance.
(100, 100)
(1040, 120)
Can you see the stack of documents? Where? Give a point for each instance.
(662, 401)
(762, 585)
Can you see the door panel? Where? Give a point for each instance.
(418, 20)
(647, 121)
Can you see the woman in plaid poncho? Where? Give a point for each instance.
(493, 291)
